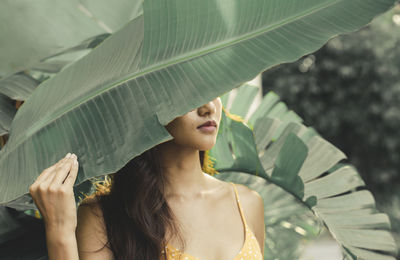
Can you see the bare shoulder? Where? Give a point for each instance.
(90, 211)
(250, 199)
(91, 233)
(251, 202)
(253, 209)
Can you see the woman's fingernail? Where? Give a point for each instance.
(68, 155)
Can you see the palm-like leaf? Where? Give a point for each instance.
(19, 86)
(112, 104)
(7, 113)
(49, 27)
(306, 166)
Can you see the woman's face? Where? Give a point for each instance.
(185, 129)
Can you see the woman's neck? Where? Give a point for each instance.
(182, 169)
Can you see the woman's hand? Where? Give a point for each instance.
(53, 194)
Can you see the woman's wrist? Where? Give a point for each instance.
(61, 245)
(59, 228)
(60, 236)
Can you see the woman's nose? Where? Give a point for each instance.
(207, 108)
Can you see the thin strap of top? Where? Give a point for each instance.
(238, 201)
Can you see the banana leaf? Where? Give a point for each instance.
(113, 103)
(18, 86)
(7, 113)
(297, 172)
(163, 64)
(34, 30)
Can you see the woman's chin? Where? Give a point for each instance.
(206, 147)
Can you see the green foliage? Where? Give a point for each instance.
(349, 90)
(112, 104)
(156, 68)
(301, 173)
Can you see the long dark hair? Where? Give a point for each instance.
(135, 212)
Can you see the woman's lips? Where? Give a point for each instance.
(209, 123)
(207, 129)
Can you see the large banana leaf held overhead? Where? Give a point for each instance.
(111, 105)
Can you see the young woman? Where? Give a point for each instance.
(160, 205)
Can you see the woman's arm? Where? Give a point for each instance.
(53, 194)
(69, 236)
(91, 232)
(61, 245)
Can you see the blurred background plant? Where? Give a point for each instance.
(349, 91)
